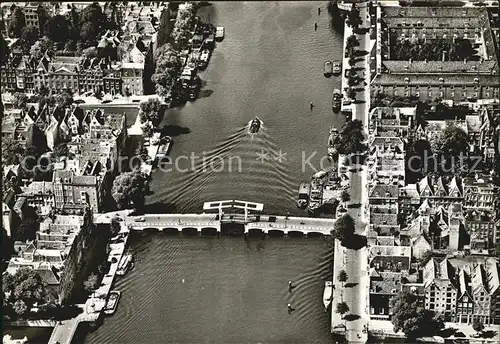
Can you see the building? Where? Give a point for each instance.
(132, 78)
(440, 78)
(76, 191)
(440, 287)
(60, 252)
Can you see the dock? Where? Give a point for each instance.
(94, 306)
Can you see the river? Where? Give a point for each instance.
(227, 290)
(269, 65)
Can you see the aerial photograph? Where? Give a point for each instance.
(250, 172)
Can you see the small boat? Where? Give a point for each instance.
(328, 70)
(328, 294)
(254, 125)
(164, 147)
(336, 68)
(219, 33)
(124, 264)
(203, 60)
(112, 303)
(303, 199)
(336, 100)
(334, 133)
(316, 193)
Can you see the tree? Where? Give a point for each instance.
(91, 283)
(351, 93)
(350, 139)
(129, 187)
(142, 152)
(64, 99)
(477, 324)
(12, 152)
(43, 46)
(151, 111)
(17, 22)
(29, 36)
(343, 228)
(115, 227)
(453, 142)
(57, 29)
(413, 319)
(20, 307)
(352, 42)
(345, 196)
(25, 285)
(353, 17)
(342, 277)
(90, 52)
(4, 51)
(20, 100)
(147, 129)
(92, 21)
(342, 308)
(61, 150)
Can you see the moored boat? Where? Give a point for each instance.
(203, 60)
(164, 147)
(328, 294)
(328, 69)
(336, 68)
(219, 33)
(303, 199)
(254, 125)
(332, 151)
(124, 264)
(112, 303)
(336, 100)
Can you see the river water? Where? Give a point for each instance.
(228, 290)
(269, 65)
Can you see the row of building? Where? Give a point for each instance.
(450, 216)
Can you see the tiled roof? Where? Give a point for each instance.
(384, 191)
(441, 67)
(383, 219)
(387, 79)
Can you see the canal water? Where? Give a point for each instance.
(269, 65)
(221, 290)
(228, 290)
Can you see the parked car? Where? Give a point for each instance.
(140, 219)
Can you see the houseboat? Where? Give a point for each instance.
(254, 125)
(219, 33)
(164, 147)
(303, 198)
(336, 68)
(328, 294)
(203, 59)
(112, 303)
(125, 264)
(336, 100)
(328, 69)
(334, 133)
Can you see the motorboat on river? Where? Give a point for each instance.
(254, 125)
(125, 264)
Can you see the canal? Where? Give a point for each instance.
(228, 290)
(269, 65)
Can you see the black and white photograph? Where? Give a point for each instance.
(250, 172)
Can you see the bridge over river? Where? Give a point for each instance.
(231, 223)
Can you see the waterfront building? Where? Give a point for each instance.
(60, 252)
(439, 77)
